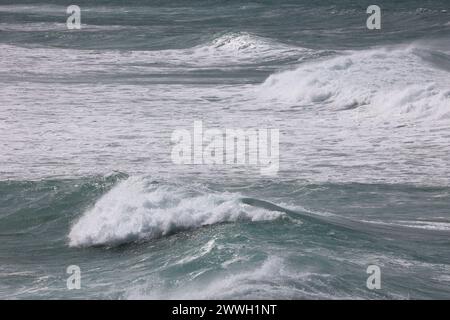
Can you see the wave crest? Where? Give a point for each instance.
(136, 209)
(389, 83)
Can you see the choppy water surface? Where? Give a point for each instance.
(87, 179)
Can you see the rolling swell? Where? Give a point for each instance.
(388, 231)
(181, 230)
(118, 209)
(138, 210)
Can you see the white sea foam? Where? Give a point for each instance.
(204, 250)
(428, 225)
(121, 117)
(244, 47)
(387, 84)
(135, 209)
(271, 280)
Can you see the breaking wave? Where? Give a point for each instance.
(140, 209)
(387, 83)
(245, 47)
(136, 209)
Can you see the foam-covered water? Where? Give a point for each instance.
(417, 90)
(87, 179)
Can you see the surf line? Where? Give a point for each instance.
(253, 147)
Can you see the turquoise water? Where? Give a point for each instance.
(87, 178)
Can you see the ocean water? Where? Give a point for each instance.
(87, 177)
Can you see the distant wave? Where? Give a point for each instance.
(388, 83)
(223, 51)
(245, 47)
